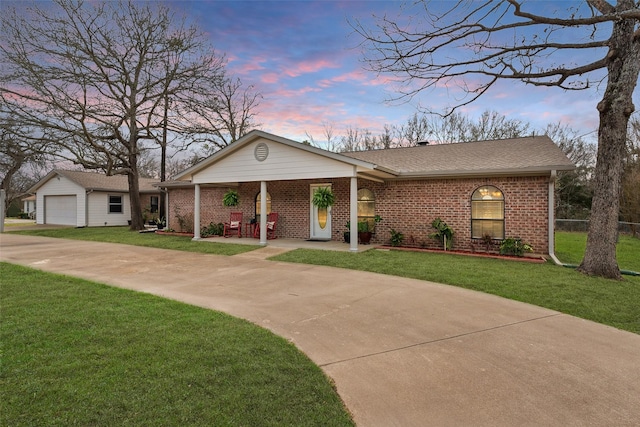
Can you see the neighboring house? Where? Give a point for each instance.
(88, 199)
(29, 206)
(498, 189)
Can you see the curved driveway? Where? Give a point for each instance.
(402, 352)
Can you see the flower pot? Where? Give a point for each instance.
(364, 237)
(347, 237)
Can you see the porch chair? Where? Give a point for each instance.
(272, 222)
(234, 225)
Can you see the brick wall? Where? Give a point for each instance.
(406, 206)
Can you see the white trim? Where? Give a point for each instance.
(196, 213)
(353, 215)
(263, 213)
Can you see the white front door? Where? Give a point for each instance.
(320, 217)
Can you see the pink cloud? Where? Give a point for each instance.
(269, 78)
(311, 66)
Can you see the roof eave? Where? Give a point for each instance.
(532, 171)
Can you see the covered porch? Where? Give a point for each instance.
(282, 173)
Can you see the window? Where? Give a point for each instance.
(366, 206)
(258, 205)
(487, 213)
(153, 204)
(115, 204)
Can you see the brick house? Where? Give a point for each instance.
(500, 189)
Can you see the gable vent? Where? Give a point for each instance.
(261, 152)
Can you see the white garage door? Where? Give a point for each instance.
(60, 210)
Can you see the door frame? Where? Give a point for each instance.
(312, 214)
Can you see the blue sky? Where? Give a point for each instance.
(303, 56)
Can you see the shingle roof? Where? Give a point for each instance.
(529, 154)
(100, 182)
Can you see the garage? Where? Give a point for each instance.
(61, 210)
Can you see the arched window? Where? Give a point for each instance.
(366, 206)
(487, 213)
(258, 205)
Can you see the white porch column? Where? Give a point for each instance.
(263, 213)
(353, 214)
(196, 213)
(166, 207)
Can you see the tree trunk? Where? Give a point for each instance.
(133, 176)
(615, 108)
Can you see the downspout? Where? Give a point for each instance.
(552, 218)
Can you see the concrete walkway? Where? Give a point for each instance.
(402, 352)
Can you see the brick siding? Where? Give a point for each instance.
(406, 206)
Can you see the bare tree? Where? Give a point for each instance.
(492, 125)
(328, 134)
(415, 130)
(95, 77)
(474, 45)
(19, 150)
(221, 112)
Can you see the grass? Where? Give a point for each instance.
(125, 236)
(76, 353)
(614, 303)
(571, 245)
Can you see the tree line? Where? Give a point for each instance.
(574, 189)
(99, 84)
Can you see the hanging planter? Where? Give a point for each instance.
(231, 198)
(323, 197)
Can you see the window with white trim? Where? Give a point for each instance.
(487, 213)
(115, 204)
(154, 203)
(258, 205)
(367, 206)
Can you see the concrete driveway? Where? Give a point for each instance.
(402, 352)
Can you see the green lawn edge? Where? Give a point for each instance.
(77, 353)
(127, 237)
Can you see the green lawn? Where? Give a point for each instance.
(609, 302)
(614, 303)
(570, 248)
(76, 353)
(128, 237)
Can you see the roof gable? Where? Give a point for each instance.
(97, 181)
(285, 159)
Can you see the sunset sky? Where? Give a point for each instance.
(304, 57)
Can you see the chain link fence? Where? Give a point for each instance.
(630, 228)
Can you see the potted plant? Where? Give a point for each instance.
(366, 229)
(347, 234)
(230, 198)
(161, 222)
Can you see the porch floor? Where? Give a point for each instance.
(290, 244)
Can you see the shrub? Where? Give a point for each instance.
(514, 246)
(396, 238)
(212, 229)
(443, 233)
